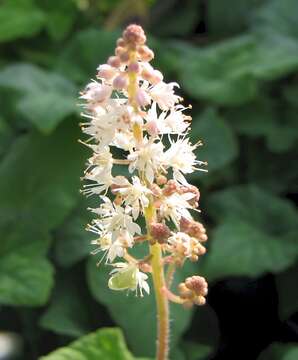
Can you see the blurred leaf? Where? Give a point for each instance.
(286, 283)
(85, 52)
(279, 351)
(280, 173)
(125, 307)
(73, 235)
(233, 21)
(60, 16)
(67, 313)
(278, 17)
(39, 178)
(229, 73)
(220, 72)
(272, 120)
(220, 144)
(257, 233)
(194, 351)
(46, 98)
(103, 344)
(181, 20)
(18, 19)
(26, 276)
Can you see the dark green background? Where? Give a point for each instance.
(237, 64)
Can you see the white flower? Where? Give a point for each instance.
(96, 94)
(146, 158)
(175, 206)
(108, 121)
(181, 158)
(181, 240)
(127, 276)
(113, 249)
(135, 195)
(99, 171)
(113, 219)
(172, 122)
(164, 95)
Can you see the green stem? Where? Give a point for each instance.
(162, 302)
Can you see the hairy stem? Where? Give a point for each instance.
(162, 303)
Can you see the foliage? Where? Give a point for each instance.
(240, 73)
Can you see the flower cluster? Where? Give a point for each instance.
(135, 120)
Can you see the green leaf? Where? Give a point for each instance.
(67, 313)
(220, 72)
(45, 98)
(101, 345)
(279, 351)
(231, 72)
(124, 307)
(39, 178)
(278, 17)
(60, 17)
(26, 276)
(256, 234)
(18, 19)
(220, 144)
(233, 21)
(73, 235)
(85, 52)
(194, 351)
(286, 283)
(277, 123)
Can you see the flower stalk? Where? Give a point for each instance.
(129, 109)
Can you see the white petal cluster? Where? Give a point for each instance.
(133, 120)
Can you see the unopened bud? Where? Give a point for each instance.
(134, 35)
(160, 232)
(134, 67)
(114, 61)
(106, 71)
(142, 98)
(120, 82)
(145, 53)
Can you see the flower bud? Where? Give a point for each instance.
(145, 53)
(142, 98)
(152, 128)
(160, 232)
(114, 61)
(120, 82)
(134, 67)
(134, 35)
(106, 71)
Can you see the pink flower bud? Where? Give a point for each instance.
(114, 61)
(145, 53)
(134, 34)
(120, 82)
(134, 67)
(106, 71)
(142, 98)
(152, 128)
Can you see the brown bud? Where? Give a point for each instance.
(120, 42)
(134, 35)
(145, 53)
(170, 188)
(197, 284)
(160, 232)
